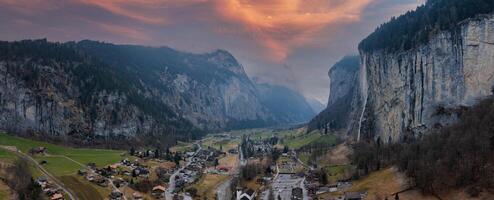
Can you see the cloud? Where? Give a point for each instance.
(133, 9)
(288, 42)
(281, 25)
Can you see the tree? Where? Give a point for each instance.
(177, 159)
(397, 197)
(323, 177)
(157, 153)
(19, 179)
(286, 149)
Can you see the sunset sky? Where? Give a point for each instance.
(287, 42)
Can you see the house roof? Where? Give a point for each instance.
(57, 196)
(159, 187)
(137, 195)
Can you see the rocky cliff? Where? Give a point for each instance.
(345, 101)
(411, 91)
(90, 90)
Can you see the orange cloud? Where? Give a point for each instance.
(128, 33)
(281, 25)
(133, 9)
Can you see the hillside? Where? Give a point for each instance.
(91, 93)
(417, 27)
(456, 157)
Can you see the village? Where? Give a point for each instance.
(221, 166)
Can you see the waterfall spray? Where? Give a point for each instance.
(364, 92)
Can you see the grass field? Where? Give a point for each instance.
(182, 147)
(65, 169)
(207, 184)
(339, 172)
(84, 189)
(59, 166)
(300, 140)
(6, 155)
(98, 156)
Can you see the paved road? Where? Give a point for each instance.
(171, 184)
(57, 182)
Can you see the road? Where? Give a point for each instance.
(282, 186)
(222, 192)
(171, 184)
(54, 180)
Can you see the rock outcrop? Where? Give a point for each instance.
(408, 90)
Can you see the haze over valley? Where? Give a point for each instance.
(193, 99)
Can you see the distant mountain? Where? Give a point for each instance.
(287, 105)
(84, 91)
(315, 104)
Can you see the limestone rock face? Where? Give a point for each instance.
(345, 99)
(406, 89)
(90, 89)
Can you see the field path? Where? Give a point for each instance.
(57, 182)
(87, 168)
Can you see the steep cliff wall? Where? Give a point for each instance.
(345, 102)
(408, 89)
(90, 90)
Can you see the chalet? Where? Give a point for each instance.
(42, 181)
(297, 194)
(118, 182)
(141, 171)
(40, 149)
(158, 191)
(114, 166)
(100, 181)
(137, 196)
(57, 196)
(223, 168)
(116, 195)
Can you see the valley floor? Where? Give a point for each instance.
(211, 166)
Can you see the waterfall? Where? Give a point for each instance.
(364, 90)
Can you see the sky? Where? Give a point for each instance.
(285, 42)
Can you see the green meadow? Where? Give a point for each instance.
(297, 141)
(56, 163)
